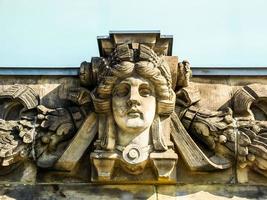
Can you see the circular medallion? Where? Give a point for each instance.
(133, 154)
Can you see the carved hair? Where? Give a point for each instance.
(148, 65)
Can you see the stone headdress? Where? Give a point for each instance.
(122, 63)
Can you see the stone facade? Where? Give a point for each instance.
(136, 116)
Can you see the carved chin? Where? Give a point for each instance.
(135, 123)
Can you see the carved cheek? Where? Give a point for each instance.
(119, 106)
(149, 108)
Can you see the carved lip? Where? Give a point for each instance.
(134, 113)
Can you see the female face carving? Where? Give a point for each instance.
(134, 104)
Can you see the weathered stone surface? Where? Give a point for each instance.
(150, 192)
(78, 146)
(212, 192)
(134, 117)
(75, 192)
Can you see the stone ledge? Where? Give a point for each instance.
(151, 192)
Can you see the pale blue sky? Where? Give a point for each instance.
(63, 32)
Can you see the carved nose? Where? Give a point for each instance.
(133, 102)
(134, 98)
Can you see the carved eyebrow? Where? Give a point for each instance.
(135, 83)
(120, 84)
(124, 82)
(145, 84)
(128, 82)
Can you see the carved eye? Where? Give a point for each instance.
(121, 90)
(144, 90)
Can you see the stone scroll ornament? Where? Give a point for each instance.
(137, 115)
(32, 135)
(239, 130)
(18, 131)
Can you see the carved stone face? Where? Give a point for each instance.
(134, 104)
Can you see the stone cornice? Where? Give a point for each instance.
(74, 71)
